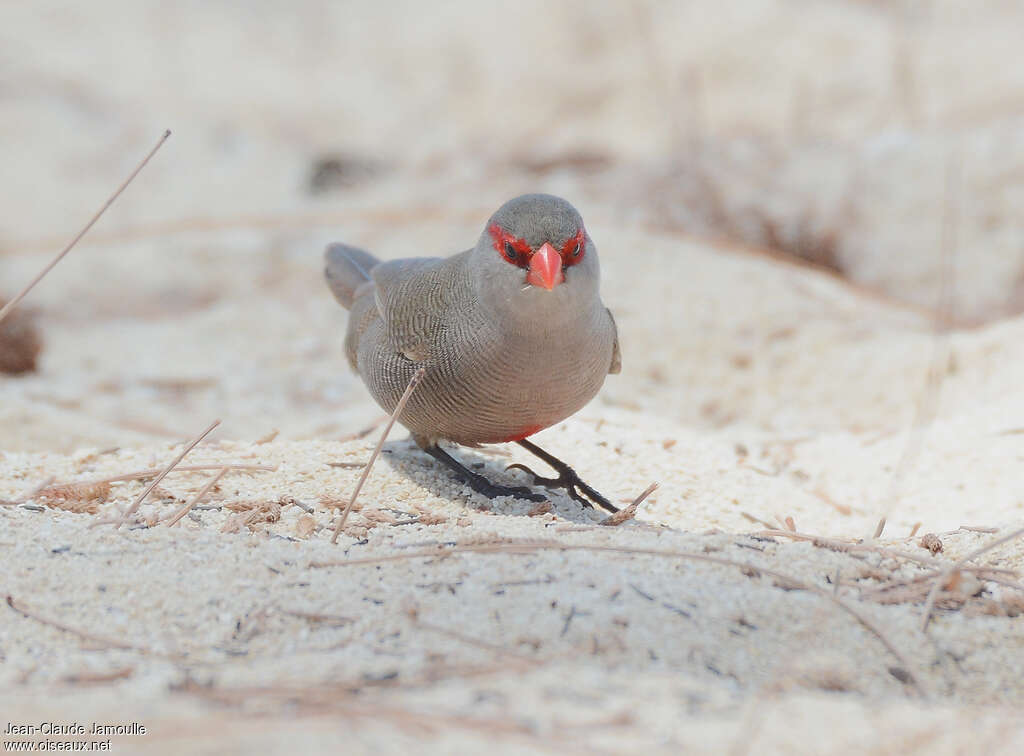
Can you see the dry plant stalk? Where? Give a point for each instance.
(757, 520)
(75, 497)
(142, 497)
(750, 570)
(30, 613)
(878, 529)
(9, 307)
(152, 472)
(958, 592)
(251, 513)
(66, 490)
(523, 660)
(413, 382)
(967, 584)
(1011, 606)
(99, 678)
(927, 405)
(356, 531)
(850, 546)
(425, 516)
(342, 700)
(944, 579)
(629, 512)
(913, 590)
(364, 432)
(379, 517)
(143, 474)
(198, 497)
(335, 619)
(333, 502)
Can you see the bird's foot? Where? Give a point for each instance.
(567, 479)
(478, 482)
(571, 482)
(493, 490)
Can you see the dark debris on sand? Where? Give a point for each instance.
(20, 343)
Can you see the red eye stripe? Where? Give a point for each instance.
(577, 242)
(503, 239)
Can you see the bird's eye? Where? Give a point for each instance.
(576, 250)
(510, 252)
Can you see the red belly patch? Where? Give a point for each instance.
(529, 430)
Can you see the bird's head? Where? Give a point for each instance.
(535, 253)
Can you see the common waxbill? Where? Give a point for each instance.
(513, 335)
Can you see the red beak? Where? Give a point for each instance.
(545, 268)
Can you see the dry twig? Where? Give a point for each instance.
(340, 700)
(109, 642)
(757, 520)
(878, 529)
(927, 405)
(836, 545)
(413, 382)
(752, 570)
(943, 579)
(143, 474)
(142, 497)
(98, 678)
(364, 432)
(252, 512)
(75, 497)
(629, 512)
(334, 619)
(198, 497)
(9, 307)
(469, 640)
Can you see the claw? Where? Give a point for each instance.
(570, 481)
(538, 480)
(567, 479)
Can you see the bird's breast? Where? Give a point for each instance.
(487, 385)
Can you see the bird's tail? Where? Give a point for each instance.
(347, 268)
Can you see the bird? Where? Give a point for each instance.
(512, 333)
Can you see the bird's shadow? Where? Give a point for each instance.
(406, 458)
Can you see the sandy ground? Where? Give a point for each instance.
(701, 143)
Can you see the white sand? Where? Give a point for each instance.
(750, 386)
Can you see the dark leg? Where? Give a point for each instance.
(479, 483)
(567, 479)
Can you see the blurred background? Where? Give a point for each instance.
(714, 148)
